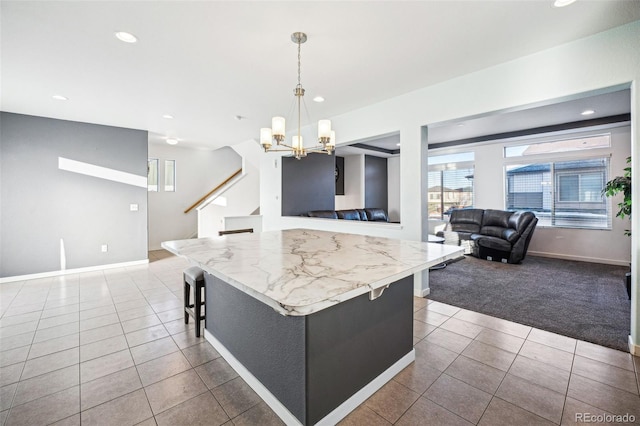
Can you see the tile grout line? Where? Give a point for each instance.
(493, 395)
(26, 359)
(440, 375)
(144, 390)
(566, 394)
(179, 350)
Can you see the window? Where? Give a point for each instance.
(584, 187)
(562, 182)
(567, 145)
(450, 183)
(170, 175)
(152, 175)
(561, 193)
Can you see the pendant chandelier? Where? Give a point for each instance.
(326, 136)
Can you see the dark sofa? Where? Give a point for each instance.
(491, 234)
(370, 215)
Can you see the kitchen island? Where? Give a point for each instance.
(314, 321)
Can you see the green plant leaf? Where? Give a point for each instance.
(621, 184)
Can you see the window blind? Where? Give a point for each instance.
(449, 189)
(561, 193)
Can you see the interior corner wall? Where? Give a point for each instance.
(353, 197)
(308, 184)
(54, 219)
(375, 182)
(393, 188)
(198, 171)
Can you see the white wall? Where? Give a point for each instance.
(488, 177)
(353, 197)
(243, 222)
(393, 188)
(242, 199)
(197, 173)
(611, 58)
(251, 152)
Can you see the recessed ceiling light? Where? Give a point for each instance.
(60, 98)
(172, 141)
(168, 116)
(398, 144)
(460, 125)
(126, 37)
(318, 99)
(587, 112)
(563, 3)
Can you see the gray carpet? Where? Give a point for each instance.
(586, 301)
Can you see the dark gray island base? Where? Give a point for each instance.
(317, 368)
(314, 321)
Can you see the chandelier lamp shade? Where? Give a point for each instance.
(273, 139)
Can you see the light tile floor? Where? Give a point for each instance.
(111, 347)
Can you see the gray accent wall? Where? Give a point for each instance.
(339, 175)
(50, 218)
(375, 182)
(308, 184)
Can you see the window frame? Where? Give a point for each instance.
(169, 187)
(445, 163)
(559, 157)
(602, 177)
(150, 187)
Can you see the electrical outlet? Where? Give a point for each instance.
(104, 248)
(133, 207)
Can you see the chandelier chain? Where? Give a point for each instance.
(299, 84)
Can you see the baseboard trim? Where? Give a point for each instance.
(72, 271)
(251, 380)
(421, 292)
(579, 258)
(333, 417)
(633, 348)
(363, 394)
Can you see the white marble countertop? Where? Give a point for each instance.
(302, 271)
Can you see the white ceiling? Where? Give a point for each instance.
(556, 111)
(613, 102)
(207, 62)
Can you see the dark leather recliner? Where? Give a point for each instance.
(493, 234)
(325, 214)
(368, 215)
(376, 215)
(355, 214)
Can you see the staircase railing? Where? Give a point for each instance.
(210, 193)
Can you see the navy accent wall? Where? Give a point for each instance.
(52, 218)
(308, 184)
(375, 182)
(339, 175)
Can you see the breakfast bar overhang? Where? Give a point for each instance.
(314, 321)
